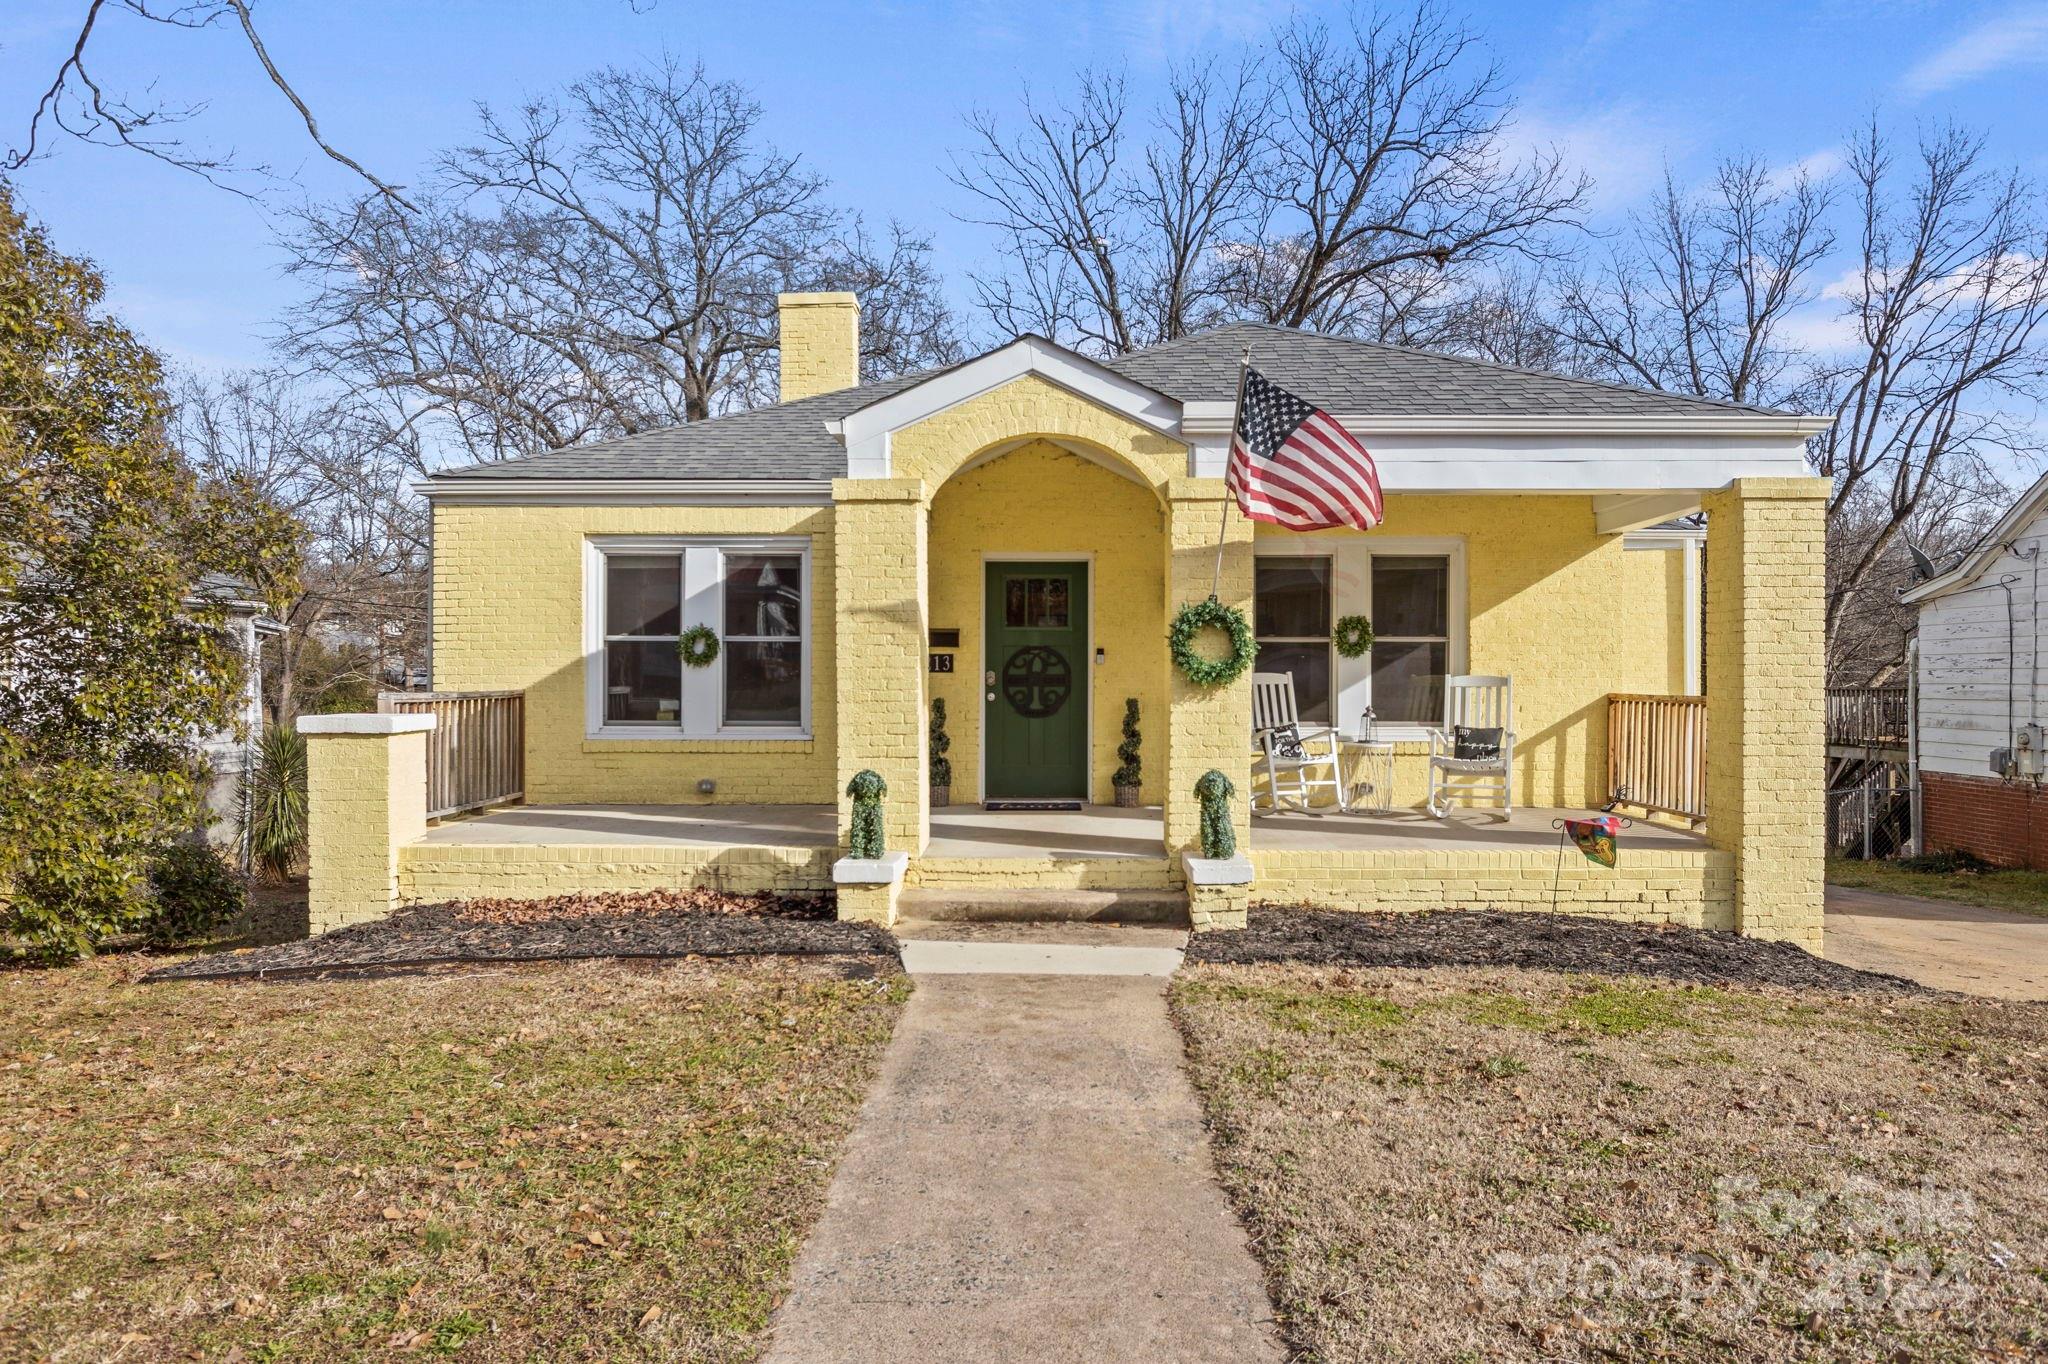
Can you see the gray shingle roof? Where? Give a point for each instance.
(787, 440)
(1357, 378)
(1352, 378)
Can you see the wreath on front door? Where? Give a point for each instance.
(698, 647)
(1212, 614)
(1353, 636)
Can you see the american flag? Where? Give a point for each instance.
(1292, 465)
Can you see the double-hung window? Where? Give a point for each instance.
(1291, 622)
(646, 594)
(1411, 618)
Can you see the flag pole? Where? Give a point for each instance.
(1223, 521)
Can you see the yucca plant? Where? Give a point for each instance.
(276, 801)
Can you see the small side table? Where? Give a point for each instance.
(1374, 764)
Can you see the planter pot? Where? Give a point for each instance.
(942, 795)
(1127, 797)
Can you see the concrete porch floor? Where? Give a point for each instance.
(1102, 832)
(698, 826)
(1461, 831)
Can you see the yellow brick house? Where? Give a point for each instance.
(1011, 535)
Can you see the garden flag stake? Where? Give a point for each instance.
(1294, 465)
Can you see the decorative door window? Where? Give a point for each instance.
(1035, 603)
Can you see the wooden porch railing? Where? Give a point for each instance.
(1657, 753)
(1867, 717)
(476, 752)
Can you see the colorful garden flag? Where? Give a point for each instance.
(1595, 837)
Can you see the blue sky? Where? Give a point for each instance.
(872, 94)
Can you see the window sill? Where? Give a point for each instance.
(676, 738)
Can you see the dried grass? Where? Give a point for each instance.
(585, 1162)
(1465, 1164)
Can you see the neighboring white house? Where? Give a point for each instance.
(230, 753)
(1981, 702)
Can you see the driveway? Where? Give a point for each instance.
(1030, 1180)
(1940, 943)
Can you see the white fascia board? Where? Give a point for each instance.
(867, 431)
(1524, 463)
(1205, 418)
(627, 492)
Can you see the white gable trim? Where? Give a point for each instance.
(2031, 503)
(867, 431)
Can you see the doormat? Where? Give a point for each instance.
(1031, 805)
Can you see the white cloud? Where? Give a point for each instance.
(2016, 37)
(1814, 166)
(1624, 147)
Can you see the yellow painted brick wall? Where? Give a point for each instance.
(1765, 692)
(1654, 579)
(1210, 726)
(1696, 889)
(1567, 612)
(439, 871)
(366, 795)
(884, 619)
(1041, 501)
(508, 613)
(935, 448)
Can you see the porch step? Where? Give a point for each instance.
(953, 904)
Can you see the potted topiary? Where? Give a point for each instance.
(1131, 775)
(941, 771)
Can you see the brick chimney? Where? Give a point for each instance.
(820, 343)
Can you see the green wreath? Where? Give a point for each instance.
(1353, 636)
(698, 647)
(1198, 616)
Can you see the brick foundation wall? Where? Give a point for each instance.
(2005, 823)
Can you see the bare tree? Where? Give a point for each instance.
(1949, 301)
(1352, 181)
(360, 611)
(78, 103)
(1695, 298)
(597, 265)
(1111, 250)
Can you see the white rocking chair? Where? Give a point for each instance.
(1290, 750)
(1473, 703)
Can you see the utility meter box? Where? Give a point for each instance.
(2027, 755)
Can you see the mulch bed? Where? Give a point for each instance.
(563, 928)
(1548, 942)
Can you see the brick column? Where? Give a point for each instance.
(1766, 678)
(366, 796)
(1206, 726)
(881, 607)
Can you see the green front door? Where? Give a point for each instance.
(1035, 687)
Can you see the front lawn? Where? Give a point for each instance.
(1941, 879)
(1482, 1163)
(597, 1161)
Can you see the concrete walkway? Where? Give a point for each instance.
(1029, 1181)
(1941, 943)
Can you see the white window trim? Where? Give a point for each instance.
(1351, 683)
(703, 604)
